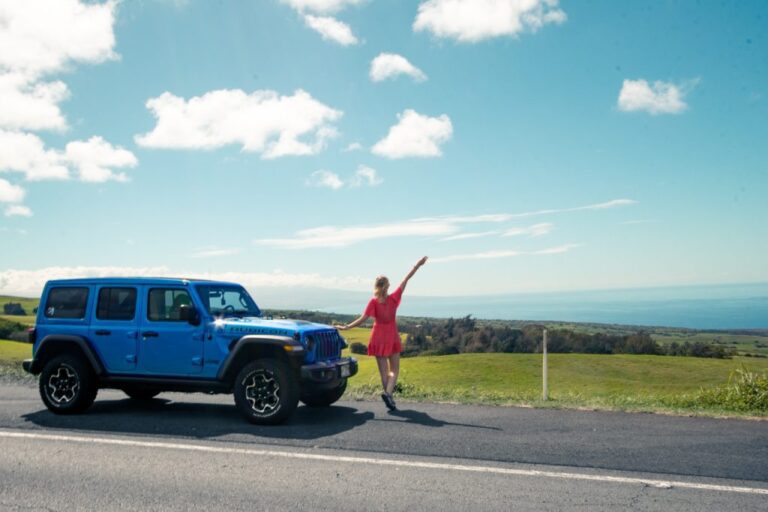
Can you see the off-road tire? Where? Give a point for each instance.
(140, 394)
(67, 385)
(324, 398)
(266, 391)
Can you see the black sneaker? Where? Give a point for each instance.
(389, 401)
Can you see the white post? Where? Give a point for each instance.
(544, 387)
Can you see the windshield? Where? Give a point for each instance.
(223, 301)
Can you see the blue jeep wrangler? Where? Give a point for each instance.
(149, 335)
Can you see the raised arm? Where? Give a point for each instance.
(357, 322)
(413, 271)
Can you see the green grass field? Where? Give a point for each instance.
(25, 320)
(743, 343)
(625, 382)
(12, 353)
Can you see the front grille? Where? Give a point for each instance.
(327, 345)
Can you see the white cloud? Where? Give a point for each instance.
(18, 210)
(44, 36)
(354, 146)
(560, 249)
(532, 231)
(613, 203)
(212, 252)
(93, 159)
(659, 98)
(15, 231)
(465, 236)
(262, 122)
(30, 282)
(321, 6)
(325, 179)
(331, 236)
(503, 217)
(41, 37)
(447, 227)
(26, 153)
(486, 255)
(391, 65)
(29, 105)
(365, 175)
(476, 20)
(492, 255)
(331, 29)
(10, 193)
(415, 135)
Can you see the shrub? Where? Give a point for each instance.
(745, 391)
(358, 348)
(7, 328)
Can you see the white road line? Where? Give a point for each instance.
(664, 484)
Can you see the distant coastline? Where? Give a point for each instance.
(739, 306)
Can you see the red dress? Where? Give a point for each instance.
(385, 340)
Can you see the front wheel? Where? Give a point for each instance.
(324, 398)
(266, 392)
(67, 385)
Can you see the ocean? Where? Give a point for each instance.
(740, 306)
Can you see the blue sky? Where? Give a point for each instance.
(522, 145)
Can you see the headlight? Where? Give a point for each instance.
(310, 343)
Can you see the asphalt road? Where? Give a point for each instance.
(194, 452)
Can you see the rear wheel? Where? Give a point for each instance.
(266, 392)
(324, 398)
(67, 385)
(142, 394)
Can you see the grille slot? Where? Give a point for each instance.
(327, 345)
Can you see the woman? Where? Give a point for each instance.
(385, 340)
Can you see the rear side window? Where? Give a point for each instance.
(116, 304)
(66, 302)
(165, 304)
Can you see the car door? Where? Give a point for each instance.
(114, 327)
(168, 345)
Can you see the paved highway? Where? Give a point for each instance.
(194, 452)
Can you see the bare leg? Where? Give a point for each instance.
(394, 372)
(383, 371)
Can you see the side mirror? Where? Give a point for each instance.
(189, 314)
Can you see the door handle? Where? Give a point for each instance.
(102, 332)
(149, 334)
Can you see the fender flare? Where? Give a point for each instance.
(257, 340)
(37, 363)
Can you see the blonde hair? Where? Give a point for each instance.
(379, 285)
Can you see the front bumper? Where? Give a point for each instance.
(327, 372)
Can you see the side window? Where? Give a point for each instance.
(69, 302)
(116, 304)
(165, 304)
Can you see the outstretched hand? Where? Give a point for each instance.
(340, 327)
(421, 261)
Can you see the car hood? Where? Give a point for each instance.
(277, 327)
